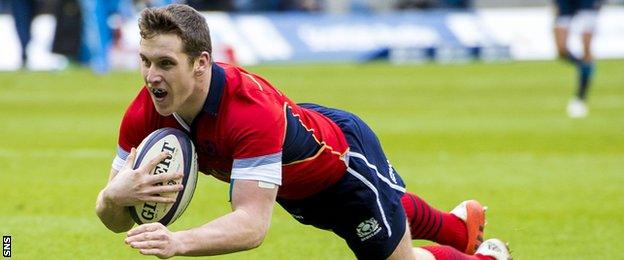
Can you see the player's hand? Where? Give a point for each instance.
(153, 239)
(130, 187)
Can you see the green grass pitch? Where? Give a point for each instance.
(494, 132)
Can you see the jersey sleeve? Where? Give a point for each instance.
(258, 137)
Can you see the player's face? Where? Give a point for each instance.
(167, 72)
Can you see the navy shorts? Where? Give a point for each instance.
(571, 7)
(364, 206)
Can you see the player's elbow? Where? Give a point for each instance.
(256, 234)
(113, 223)
(257, 238)
(254, 223)
(117, 229)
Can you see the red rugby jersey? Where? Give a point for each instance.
(247, 129)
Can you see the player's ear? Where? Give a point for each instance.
(202, 63)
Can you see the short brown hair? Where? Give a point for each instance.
(181, 20)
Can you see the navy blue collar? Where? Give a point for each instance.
(215, 91)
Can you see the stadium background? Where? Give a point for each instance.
(456, 126)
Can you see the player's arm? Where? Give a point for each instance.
(129, 187)
(242, 229)
(116, 218)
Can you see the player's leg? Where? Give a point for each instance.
(587, 19)
(360, 208)
(585, 67)
(563, 18)
(382, 194)
(492, 249)
(586, 38)
(462, 228)
(366, 202)
(405, 250)
(561, 38)
(425, 221)
(561, 33)
(23, 15)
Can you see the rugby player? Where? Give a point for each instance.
(324, 166)
(586, 11)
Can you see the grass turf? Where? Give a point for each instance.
(494, 132)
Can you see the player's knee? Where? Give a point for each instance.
(404, 249)
(563, 53)
(423, 254)
(587, 20)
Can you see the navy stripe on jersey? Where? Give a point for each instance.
(217, 84)
(299, 143)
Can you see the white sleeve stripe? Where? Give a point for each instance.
(118, 163)
(271, 173)
(257, 178)
(120, 159)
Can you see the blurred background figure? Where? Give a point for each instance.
(67, 35)
(88, 29)
(97, 33)
(23, 14)
(586, 11)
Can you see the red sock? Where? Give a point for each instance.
(447, 252)
(431, 224)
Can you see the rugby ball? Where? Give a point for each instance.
(183, 159)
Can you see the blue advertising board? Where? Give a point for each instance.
(357, 37)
